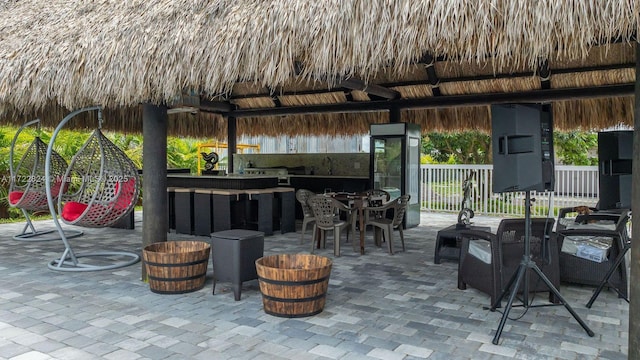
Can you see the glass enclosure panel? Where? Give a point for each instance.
(413, 162)
(387, 165)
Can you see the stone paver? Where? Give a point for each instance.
(378, 306)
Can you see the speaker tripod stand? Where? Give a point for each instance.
(521, 275)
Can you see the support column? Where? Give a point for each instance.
(154, 176)
(232, 148)
(634, 295)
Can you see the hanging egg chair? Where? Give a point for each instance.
(102, 186)
(27, 187)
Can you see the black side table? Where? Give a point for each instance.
(234, 254)
(448, 243)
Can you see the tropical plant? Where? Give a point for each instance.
(183, 153)
(576, 148)
(68, 143)
(130, 144)
(4, 171)
(469, 147)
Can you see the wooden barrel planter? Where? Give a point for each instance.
(293, 285)
(176, 267)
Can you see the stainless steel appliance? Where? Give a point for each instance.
(395, 164)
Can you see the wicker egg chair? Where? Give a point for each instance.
(102, 186)
(27, 187)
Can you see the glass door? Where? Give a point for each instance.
(387, 165)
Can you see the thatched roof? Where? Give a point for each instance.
(428, 59)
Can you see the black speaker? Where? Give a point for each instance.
(615, 151)
(522, 147)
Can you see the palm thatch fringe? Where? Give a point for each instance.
(358, 95)
(316, 124)
(313, 99)
(615, 53)
(593, 114)
(254, 102)
(490, 86)
(585, 114)
(415, 92)
(593, 78)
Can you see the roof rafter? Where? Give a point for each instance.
(532, 96)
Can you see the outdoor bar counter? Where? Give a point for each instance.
(237, 182)
(252, 202)
(315, 183)
(318, 183)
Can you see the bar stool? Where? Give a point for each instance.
(227, 209)
(184, 210)
(259, 210)
(171, 211)
(203, 217)
(284, 209)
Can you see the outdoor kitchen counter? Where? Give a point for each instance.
(318, 183)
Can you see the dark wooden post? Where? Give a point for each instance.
(634, 294)
(154, 175)
(232, 148)
(395, 114)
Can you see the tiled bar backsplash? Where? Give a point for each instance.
(337, 164)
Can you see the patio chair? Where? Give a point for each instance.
(382, 221)
(488, 261)
(303, 195)
(326, 211)
(379, 195)
(585, 232)
(376, 197)
(373, 198)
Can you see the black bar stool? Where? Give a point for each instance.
(259, 210)
(203, 217)
(184, 210)
(284, 209)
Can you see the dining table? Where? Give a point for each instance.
(358, 202)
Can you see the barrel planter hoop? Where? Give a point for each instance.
(293, 285)
(176, 267)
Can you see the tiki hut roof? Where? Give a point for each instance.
(318, 67)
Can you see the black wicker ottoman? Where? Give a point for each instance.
(234, 253)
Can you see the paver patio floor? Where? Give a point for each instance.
(379, 306)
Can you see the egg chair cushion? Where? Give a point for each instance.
(72, 210)
(126, 194)
(15, 196)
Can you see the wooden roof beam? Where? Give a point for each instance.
(372, 89)
(216, 106)
(512, 75)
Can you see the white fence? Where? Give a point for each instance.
(441, 190)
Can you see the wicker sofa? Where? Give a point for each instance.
(602, 225)
(503, 251)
